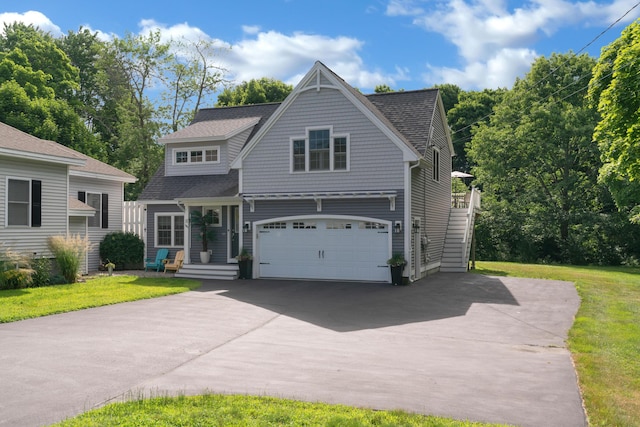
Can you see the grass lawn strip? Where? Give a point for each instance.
(605, 338)
(20, 304)
(240, 410)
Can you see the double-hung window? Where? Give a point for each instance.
(24, 202)
(197, 155)
(320, 150)
(99, 202)
(169, 230)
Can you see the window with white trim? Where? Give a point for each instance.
(197, 155)
(436, 165)
(216, 215)
(169, 229)
(18, 201)
(320, 150)
(95, 201)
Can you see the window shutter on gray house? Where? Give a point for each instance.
(36, 203)
(105, 210)
(82, 196)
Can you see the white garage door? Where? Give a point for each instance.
(338, 249)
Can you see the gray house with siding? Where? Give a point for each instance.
(327, 184)
(47, 189)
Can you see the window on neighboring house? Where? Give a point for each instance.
(169, 230)
(24, 206)
(436, 165)
(320, 150)
(100, 202)
(196, 155)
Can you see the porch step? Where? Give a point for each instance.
(209, 271)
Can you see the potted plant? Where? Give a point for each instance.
(244, 264)
(396, 263)
(110, 266)
(203, 223)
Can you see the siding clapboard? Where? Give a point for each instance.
(115, 190)
(375, 162)
(30, 240)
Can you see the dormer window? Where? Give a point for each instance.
(320, 150)
(196, 155)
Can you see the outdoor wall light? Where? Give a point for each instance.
(397, 227)
(247, 227)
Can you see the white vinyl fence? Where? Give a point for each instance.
(133, 218)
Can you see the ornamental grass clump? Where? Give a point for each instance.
(68, 251)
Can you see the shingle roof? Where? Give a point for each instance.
(409, 112)
(224, 128)
(21, 142)
(162, 187)
(16, 140)
(264, 111)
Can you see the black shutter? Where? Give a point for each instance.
(82, 196)
(36, 203)
(105, 210)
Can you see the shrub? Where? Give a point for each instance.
(40, 272)
(122, 249)
(14, 279)
(68, 252)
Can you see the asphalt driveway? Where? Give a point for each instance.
(457, 345)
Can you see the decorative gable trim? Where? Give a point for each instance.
(313, 81)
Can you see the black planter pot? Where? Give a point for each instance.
(396, 274)
(245, 269)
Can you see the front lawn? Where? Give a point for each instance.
(27, 303)
(605, 337)
(237, 410)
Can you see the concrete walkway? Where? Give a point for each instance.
(456, 345)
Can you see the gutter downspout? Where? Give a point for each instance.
(407, 219)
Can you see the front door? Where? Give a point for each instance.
(234, 232)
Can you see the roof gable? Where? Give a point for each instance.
(320, 77)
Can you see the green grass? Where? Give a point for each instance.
(28, 303)
(605, 338)
(238, 410)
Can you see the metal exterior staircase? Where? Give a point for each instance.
(457, 244)
(209, 271)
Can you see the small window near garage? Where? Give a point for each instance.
(216, 214)
(372, 226)
(304, 225)
(182, 157)
(338, 225)
(275, 225)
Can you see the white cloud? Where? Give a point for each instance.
(284, 57)
(251, 29)
(494, 41)
(498, 71)
(37, 19)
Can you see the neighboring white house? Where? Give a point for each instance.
(48, 189)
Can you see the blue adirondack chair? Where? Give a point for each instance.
(157, 265)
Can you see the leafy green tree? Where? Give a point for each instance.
(190, 78)
(44, 55)
(472, 108)
(383, 89)
(143, 59)
(449, 94)
(614, 89)
(538, 166)
(254, 92)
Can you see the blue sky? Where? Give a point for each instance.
(406, 44)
